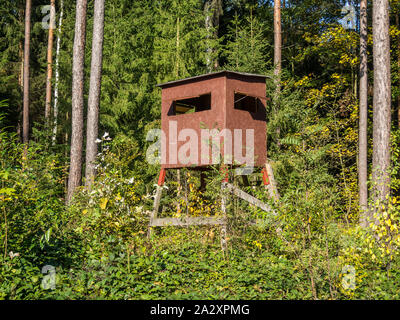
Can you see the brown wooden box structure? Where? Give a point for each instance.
(221, 100)
(227, 101)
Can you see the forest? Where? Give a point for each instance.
(79, 95)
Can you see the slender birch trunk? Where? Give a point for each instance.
(363, 121)
(57, 79)
(25, 120)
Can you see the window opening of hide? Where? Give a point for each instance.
(192, 104)
(247, 102)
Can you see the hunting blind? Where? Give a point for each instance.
(224, 101)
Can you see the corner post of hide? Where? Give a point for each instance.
(223, 210)
(157, 199)
(225, 174)
(269, 181)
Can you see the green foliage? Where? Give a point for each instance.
(312, 249)
(111, 207)
(246, 50)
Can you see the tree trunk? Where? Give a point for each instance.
(21, 72)
(21, 85)
(213, 11)
(75, 169)
(208, 25)
(382, 101)
(94, 90)
(25, 120)
(60, 21)
(277, 58)
(50, 60)
(398, 66)
(277, 39)
(177, 56)
(363, 121)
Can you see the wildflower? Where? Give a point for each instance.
(106, 136)
(13, 255)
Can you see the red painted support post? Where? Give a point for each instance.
(161, 178)
(265, 176)
(224, 171)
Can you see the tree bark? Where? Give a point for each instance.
(21, 85)
(382, 101)
(21, 72)
(50, 59)
(277, 38)
(277, 58)
(25, 117)
(55, 109)
(177, 56)
(94, 90)
(398, 66)
(75, 169)
(213, 11)
(363, 121)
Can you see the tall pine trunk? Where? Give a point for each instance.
(277, 39)
(75, 169)
(177, 55)
(94, 90)
(363, 121)
(398, 66)
(25, 116)
(57, 79)
(382, 101)
(21, 20)
(213, 11)
(277, 58)
(21, 85)
(50, 59)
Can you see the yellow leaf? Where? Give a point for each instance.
(103, 203)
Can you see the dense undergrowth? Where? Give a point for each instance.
(99, 247)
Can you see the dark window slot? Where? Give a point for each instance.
(193, 104)
(247, 103)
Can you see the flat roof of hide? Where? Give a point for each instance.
(210, 75)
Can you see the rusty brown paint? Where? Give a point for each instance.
(222, 86)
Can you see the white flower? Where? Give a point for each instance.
(98, 140)
(105, 135)
(13, 255)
